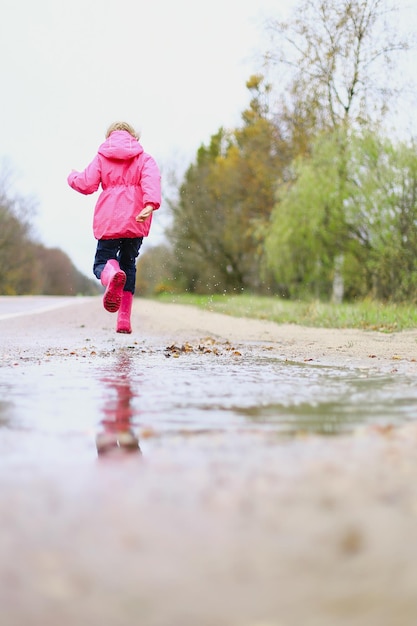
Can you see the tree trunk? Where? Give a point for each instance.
(338, 282)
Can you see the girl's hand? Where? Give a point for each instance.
(145, 213)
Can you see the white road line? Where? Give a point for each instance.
(47, 307)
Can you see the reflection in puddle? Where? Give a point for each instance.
(67, 407)
(117, 435)
(331, 401)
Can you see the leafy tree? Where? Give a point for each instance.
(195, 231)
(385, 204)
(226, 196)
(378, 223)
(306, 226)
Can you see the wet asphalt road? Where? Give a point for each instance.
(141, 486)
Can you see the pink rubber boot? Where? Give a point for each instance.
(114, 279)
(123, 317)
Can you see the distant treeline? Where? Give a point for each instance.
(26, 266)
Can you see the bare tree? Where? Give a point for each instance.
(340, 55)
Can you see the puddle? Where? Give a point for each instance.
(66, 408)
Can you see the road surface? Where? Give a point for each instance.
(213, 526)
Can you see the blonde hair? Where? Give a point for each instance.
(122, 126)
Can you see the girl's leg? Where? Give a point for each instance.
(106, 268)
(123, 317)
(128, 253)
(106, 249)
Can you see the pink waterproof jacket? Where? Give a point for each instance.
(130, 180)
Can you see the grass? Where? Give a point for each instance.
(365, 315)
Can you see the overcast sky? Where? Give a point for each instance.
(176, 70)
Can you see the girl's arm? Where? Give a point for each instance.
(151, 184)
(145, 213)
(86, 182)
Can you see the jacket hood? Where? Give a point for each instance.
(120, 145)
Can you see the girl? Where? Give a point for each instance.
(131, 191)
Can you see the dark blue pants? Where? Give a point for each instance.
(125, 251)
